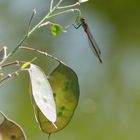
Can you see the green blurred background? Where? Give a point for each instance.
(110, 92)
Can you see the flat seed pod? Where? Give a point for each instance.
(42, 93)
(9, 130)
(64, 83)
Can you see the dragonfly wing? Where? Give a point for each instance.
(93, 45)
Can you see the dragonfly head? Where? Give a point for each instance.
(82, 19)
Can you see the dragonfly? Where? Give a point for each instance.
(94, 47)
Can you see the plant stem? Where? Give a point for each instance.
(51, 6)
(69, 6)
(63, 12)
(46, 17)
(19, 44)
(8, 77)
(30, 21)
(40, 52)
(10, 64)
(34, 28)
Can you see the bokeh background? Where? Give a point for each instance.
(109, 105)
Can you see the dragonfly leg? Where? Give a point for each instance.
(77, 25)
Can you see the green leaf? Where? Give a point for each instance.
(64, 83)
(56, 29)
(42, 93)
(9, 130)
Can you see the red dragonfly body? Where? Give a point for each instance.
(94, 46)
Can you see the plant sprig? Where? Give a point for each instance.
(55, 10)
(48, 16)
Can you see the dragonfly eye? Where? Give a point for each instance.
(82, 19)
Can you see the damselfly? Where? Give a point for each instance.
(94, 46)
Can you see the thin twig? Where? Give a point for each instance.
(13, 74)
(40, 23)
(51, 6)
(18, 63)
(8, 77)
(11, 63)
(25, 37)
(69, 6)
(30, 21)
(40, 52)
(33, 29)
(65, 12)
(19, 44)
(46, 17)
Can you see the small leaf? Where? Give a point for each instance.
(65, 87)
(56, 29)
(82, 1)
(3, 54)
(42, 93)
(9, 130)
